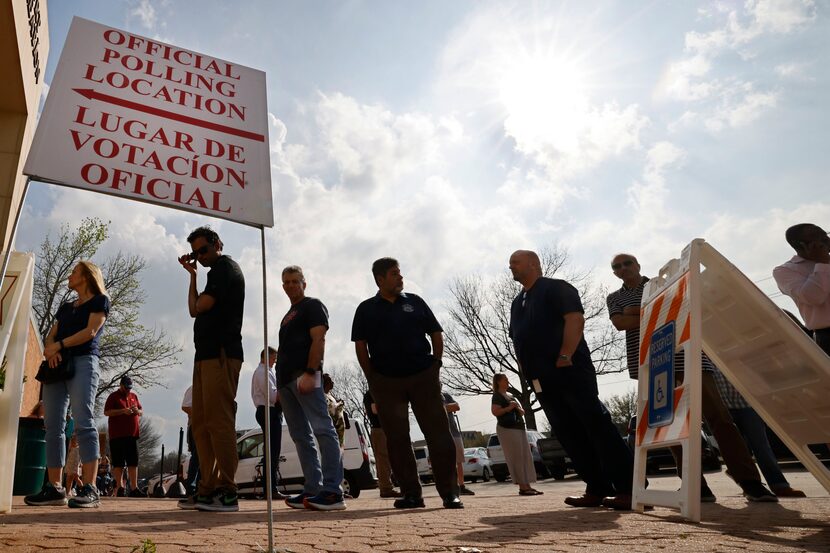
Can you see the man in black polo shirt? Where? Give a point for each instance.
(624, 310)
(546, 324)
(389, 332)
(217, 334)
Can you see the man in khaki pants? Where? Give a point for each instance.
(378, 438)
(217, 335)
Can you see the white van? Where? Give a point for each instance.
(423, 463)
(359, 472)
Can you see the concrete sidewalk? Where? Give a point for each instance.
(497, 519)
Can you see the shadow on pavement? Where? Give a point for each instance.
(756, 522)
(517, 528)
(163, 518)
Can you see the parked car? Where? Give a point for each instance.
(554, 457)
(498, 464)
(477, 464)
(423, 463)
(662, 458)
(359, 471)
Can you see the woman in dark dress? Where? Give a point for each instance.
(510, 429)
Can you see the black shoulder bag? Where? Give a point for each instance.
(63, 371)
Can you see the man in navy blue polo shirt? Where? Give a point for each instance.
(390, 334)
(546, 324)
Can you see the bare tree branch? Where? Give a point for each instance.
(477, 340)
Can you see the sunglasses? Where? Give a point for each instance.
(618, 266)
(201, 251)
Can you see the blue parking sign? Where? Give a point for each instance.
(661, 376)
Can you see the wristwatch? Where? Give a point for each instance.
(564, 357)
(309, 370)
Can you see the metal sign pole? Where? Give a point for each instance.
(267, 362)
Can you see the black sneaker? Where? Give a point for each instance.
(188, 503)
(221, 503)
(137, 493)
(298, 501)
(409, 502)
(755, 491)
(121, 492)
(87, 498)
(48, 495)
(464, 490)
(325, 501)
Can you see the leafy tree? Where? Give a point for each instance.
(622, 407)
(127, 346)
(477, 340)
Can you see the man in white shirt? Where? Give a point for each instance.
(806, 279)
(263, 395)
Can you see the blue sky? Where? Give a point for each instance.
(450, 134)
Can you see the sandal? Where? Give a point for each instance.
(529, 491)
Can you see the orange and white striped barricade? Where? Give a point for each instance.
(669, 414)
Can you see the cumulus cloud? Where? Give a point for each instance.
(793, 70)
(145, 12)
(648, 195)
(742, 110)
(731, 101)
(363, 148)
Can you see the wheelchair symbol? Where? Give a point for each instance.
(660, 393)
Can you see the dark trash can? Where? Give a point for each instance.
(30, 462)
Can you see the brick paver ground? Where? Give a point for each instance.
(495, 520)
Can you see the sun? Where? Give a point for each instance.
(546, 101)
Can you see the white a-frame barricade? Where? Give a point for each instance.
(668, 414)
(778, 369)
(15, 305)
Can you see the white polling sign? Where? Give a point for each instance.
(135, 117)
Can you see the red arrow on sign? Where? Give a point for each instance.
(93, 95)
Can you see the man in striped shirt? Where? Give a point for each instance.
(624, 310)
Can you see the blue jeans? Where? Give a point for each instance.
(754, 431)
(307, 417)
(80, 391)
(191, 481)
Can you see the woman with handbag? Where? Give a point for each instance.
(510, 428)
(70, 375)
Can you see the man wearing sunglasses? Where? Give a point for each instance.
(806, 279)
(624, 310)
(217, 335)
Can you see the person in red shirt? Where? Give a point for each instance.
(124, 409)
